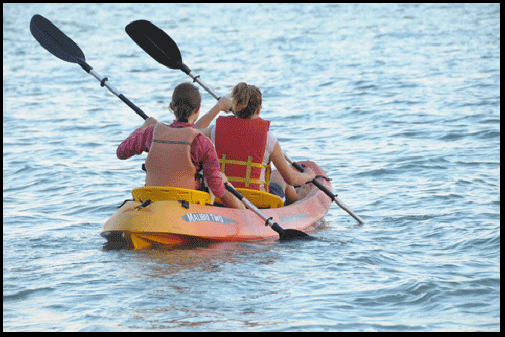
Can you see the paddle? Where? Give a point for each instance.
(60, 45)
(284, 234)
(326, 191)
(163, 49)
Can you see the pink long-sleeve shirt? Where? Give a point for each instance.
(203, 153)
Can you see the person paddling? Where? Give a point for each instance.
(177, 152)
(245, 146)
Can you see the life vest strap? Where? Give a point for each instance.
(171, 142)
(247, 181)
(249, 163)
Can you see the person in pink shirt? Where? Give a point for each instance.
(176, 152)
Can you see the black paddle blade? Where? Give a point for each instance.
(156, 43)
(293, 234)
(290, 234)
(55, 41)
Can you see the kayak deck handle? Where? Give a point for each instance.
(144, 204)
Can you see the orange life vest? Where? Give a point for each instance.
(168, 162)
(240, 146)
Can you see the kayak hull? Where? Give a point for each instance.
(175, 223)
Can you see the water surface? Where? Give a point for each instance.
(400, 104)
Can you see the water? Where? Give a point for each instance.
(400, 104)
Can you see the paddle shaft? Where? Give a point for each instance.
(105, 82)
(196, 78)
(274, 225)
(326, 191)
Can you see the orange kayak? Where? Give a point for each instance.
(187, 219)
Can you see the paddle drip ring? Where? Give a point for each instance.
(266, 222)
(194, 79)
(102, 82)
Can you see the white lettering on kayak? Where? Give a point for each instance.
(292, 218)
(195, 217)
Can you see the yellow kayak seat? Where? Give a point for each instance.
(260, 198)
(158, 193)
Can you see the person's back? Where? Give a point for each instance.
(241, 148)
(169, 160)
(176, 152)
(245, 146)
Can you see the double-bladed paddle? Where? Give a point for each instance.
(60, 45)
(163, 49)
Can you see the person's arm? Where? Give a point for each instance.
(231, 201)
(224, 104)
(148, 122)
(139, 141)
(290, 176)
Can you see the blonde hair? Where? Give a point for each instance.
(245, 100)
(185, 99)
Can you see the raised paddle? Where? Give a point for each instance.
(60, 45)
(163, 49)
(326, 191)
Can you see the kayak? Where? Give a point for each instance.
(177, 217)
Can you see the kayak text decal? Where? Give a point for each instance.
(294, 217)
(194, 217)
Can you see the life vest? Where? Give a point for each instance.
(168, 162)
(240, 146)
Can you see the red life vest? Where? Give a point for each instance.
(168, 162)
(240, 146)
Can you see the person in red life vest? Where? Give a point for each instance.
(245, 147)
(176, 152)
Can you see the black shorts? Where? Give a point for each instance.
(277, 190)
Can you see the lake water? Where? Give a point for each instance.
(399, 103)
